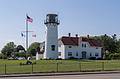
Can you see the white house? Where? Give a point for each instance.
(79, 47)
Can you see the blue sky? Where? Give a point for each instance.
(83, 17)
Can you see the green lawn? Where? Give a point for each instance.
(13, 66)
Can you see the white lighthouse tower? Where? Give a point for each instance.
(51, 38)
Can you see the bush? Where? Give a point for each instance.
(72, 58)
(22, 63)
(34, 63)
(28, 62)
(59, 59)
(112, 56)
(20, 55)
(99, 59)
(92, 58)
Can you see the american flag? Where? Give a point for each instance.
(29, 19)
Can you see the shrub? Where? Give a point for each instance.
(59, 59)
(99, 59)
(34, 62)
(28, 62)
(72, 58)
(92, 58)
(21, 63)
(113, 56)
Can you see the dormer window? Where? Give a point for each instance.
(84, 45)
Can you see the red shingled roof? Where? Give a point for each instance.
(69, 40)
(75, 41)
(92, 42)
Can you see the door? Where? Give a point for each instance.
(84, 54)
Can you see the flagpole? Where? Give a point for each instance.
(26, 34)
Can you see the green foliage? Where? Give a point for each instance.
(33, 48)
(26, 55)
(2, 56)
(20, 54)
(8, 49)
(113, 56)
(110, 44)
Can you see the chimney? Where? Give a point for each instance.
(88, 36)
(76, 35)
(69, 34)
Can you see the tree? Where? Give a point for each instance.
(8, 49)
(33, 48)
(110, 44)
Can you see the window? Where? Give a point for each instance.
(83, 45)
(59, 45)
(43, 47)
(47, 18)
(53, 47)
(69, 53)
(59, 53)
(96, 54)
(70, 46)
(56, 19)
(76, 53)
(90, 54)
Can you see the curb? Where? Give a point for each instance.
(59, 74)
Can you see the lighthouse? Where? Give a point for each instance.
(51, 36)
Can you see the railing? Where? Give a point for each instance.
(59, 67)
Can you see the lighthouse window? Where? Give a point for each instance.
(56, 19)
(53, 47)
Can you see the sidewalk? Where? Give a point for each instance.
(58, 74)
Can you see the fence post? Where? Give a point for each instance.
(57, 66)
(5, 68)
(32, 68)
(80, 66)
(103, 66)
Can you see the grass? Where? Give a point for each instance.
(13, 66)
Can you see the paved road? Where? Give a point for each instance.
(88, 76)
